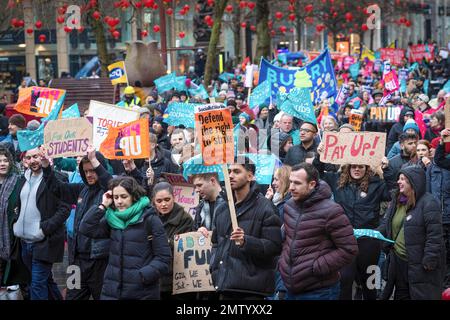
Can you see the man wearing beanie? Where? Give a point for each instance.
(15, 123)
(410, 127)
(159, 128)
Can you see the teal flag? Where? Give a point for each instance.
(71, 112)
(214, 93)
(199, 91)
(226, 76)
(446, 87)
(30, 139)
(413, 67)
(295, 137)
(426, 85)
(195, 165)
(354, 70)
(178, 113)
(299, 105)
(165, 83)
(402, 86)
(265, 166)
(180, 83)
(260, 94)
(371, 234)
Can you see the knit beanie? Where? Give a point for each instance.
(411, 124)
(18, 120)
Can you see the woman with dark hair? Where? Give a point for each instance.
(139, 253)
(414, 221)
(175, 221)
(360, 192)
(12, 270)
(437, 123)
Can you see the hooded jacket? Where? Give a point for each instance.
(423, 240)
(397, 129)
(251, 268)
(319, 242)
(84, 196)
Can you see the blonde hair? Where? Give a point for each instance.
(283, 174)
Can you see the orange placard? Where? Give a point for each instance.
(38, 101)
(214, 128)
(356, 120)
(128, 141)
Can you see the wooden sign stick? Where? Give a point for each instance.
(234, 223)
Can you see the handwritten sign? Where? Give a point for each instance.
(128, 141)
(67, 137)
(38, 101)
(353, 148)
(107, 115)
(418, 52)
(214, 127)
(394, 55)
(384, 114)
(192, 255)
(356, 119)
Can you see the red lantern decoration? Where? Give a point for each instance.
(408, 23)
(348, 17)
(169, 11)
(96, 15)
(251, 5)
(210, 3)
(21, 23)
(291, 8)
(291, 17)
(309, 20)
(42, 38)
(117, 4)
(446, 294)
(116, 34)
(155, 6)
(29, 31)
(186, 8)
(244, 25)
(291, 30)
(320, 27)
(272, 33)
(365, 11)
(402, 20)
(14, 22)
(138, 5)
(270, 24)
(253, 28)
(229, 8)
(181, 34)
(144, 33)
(156, 28)
(38, 24)
(364, 27)
(182, 12)
(149, 3)
(67, 29)
(62, 10)
(242, 4)
(207, 18)
(60, 19)
(125, 4)
(282, 29)
(278, 15)
(335, 14)
(210, 23)
(80, 29)
(309, 8)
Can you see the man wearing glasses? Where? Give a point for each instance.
(297, 154)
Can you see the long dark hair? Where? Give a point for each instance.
(130, 185)
(160, 186)
(12, 165)
(363, 183)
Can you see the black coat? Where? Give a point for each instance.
(160, 164)
(423, 240)
(397, 129)
(84, 196)
(139, 255)
(54, 213)
(395, 164)
(297, 154)
(250, 268)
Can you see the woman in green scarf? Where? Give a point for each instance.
(139, 253)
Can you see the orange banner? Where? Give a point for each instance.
(128, 141)
(38, 101)
(356, 120)
(215, 134)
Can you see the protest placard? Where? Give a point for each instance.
(38, 101)
(67, 137)
(105, 115)
(356, 119)
(418, 52)
(191, 258)
(183, 192)
(384, 114)
(128, 141)
(353, 148)
(180, 113)
(395, 56)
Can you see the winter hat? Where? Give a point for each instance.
(283, 137)
(245, 116)
(224, 87)
(18, 120)
(33, 125)
(424, 98)
(411, 124)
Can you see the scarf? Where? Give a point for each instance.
(403, 199)
(277, 198)
(122, 219)
(6, 189)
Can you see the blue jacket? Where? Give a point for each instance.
(438, 184)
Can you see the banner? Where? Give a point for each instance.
(347, 62)
(214, 130)
(105, 115)
(356, 119)
(183, 192)
(199, 91)
(265, 166)
(418, 52)
(260, 94)
(117, 73)
(395, 56)
(180, 83)
(195, 165)
(178, 113)
(358, 233)
(384, 114)
(71, 112)
(67, 137)
(342, 94)
(226, 76)
(165, 83)
(320, 70)
(299, 105)
(391, 81)
(354, 70)
(129, 141)
(353, 148)
(191, 258)
(39, 101)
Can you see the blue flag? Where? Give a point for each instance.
(30, 139)
(226, 76)
(260, 94)
(71, 112)
(180, 113)
(199, 91)
(165, 83)
(371, 234)
(354, 70)
(265, 166)
(320, 70)
(426, 85)
(195, 165)
(446, 87)
(180, 83)
(299, 105)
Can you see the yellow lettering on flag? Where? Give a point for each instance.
(117, 73)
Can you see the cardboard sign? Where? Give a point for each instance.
(67, 137)
(384, 114)
(356, 119)
(129, 141)
(354, 148)
(214, 127)
(105, 115)
(183, 191)
(38, 101)
(394, 55)
(191, 258)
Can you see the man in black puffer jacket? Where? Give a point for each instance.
(91, 255)
(243, 261)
